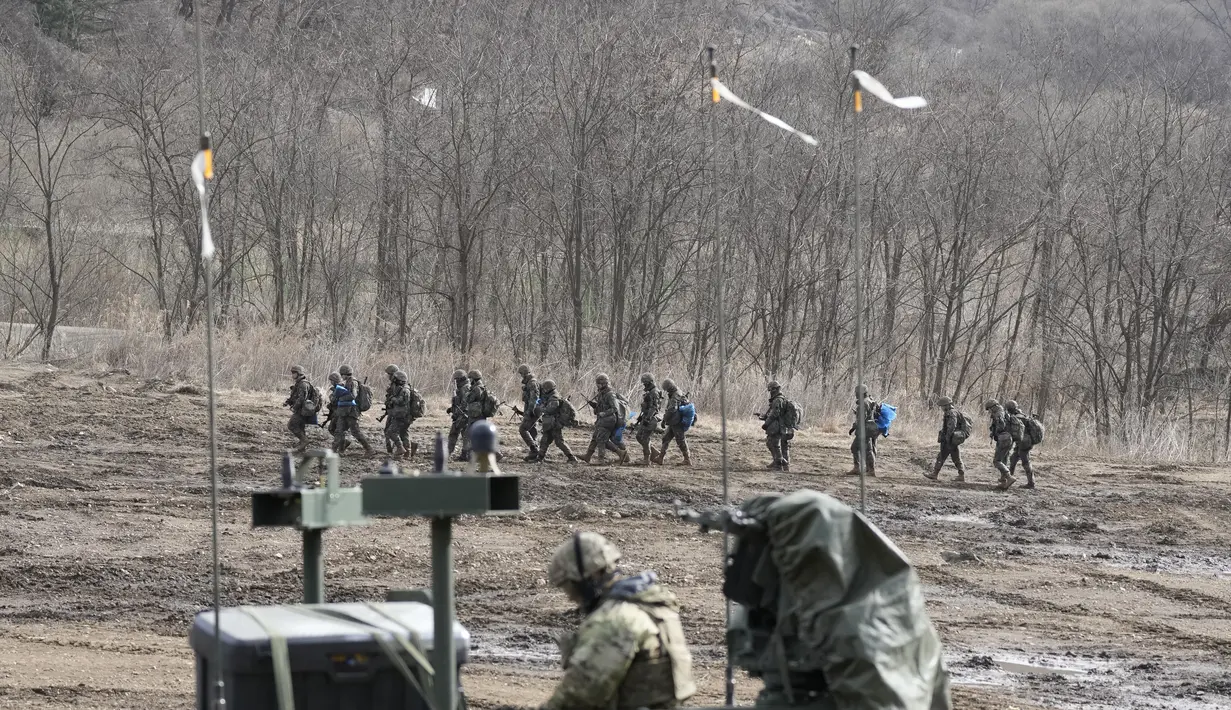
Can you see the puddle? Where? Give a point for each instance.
(1036, 670)
(967, 520)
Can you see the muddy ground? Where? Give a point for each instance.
(1116, 573)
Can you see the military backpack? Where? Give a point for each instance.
(792, 414)
(417, 405)
(962, 431)
(567, 414)
(312, 403)
(621, 409)
(363, 398)
(490, 404)
(1034, 428)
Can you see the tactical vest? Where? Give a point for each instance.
(662, 678)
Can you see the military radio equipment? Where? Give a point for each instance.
(402, 654)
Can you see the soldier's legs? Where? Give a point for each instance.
(404, 434)
(527, 432)
(956, 456)
(556, 436)
(775, 450)
(943, 454)
(1027, 466)
(644, 433)
(681, 440)
(1000, 459)
(455, 432)
(668, 436)
(297, 427)
(355, 431)
(786, 451)
(339, 435)
(391, 437)
(465, 455)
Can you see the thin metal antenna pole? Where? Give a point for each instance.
(720, 312)
(861, 405)
(219, 684)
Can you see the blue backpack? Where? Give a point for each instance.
(885, 414)
(688, 415)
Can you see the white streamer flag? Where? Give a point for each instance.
(722, 91)
(877, 89)
(201, 170)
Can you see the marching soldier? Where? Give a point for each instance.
(300, 402)
(461, 386)
(778, 429)
(606, 421)
(647, 418)
(1001, 433)
(870, 428)
(344, 415)
(551, 410)
(630, 651)
(476, 396)
(397, 416)
(953, 433)
(673, 424)
(1022, 443)
(529, 408)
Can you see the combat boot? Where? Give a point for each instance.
(786, 467)
(586, 456)
(657, 456)
(571, 459)
(935, 474)
(1006, 483)
(687, 462)
(645, 460)
(1029, 479)
(775, 466)
(624, 456)
(414, 449)
(871, 468)
(961, 476)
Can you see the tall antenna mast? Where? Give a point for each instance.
(202, 172)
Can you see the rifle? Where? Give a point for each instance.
(729, 519)
(517, 412)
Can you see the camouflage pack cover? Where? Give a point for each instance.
(851, 605)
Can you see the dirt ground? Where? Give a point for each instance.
(1115, 573)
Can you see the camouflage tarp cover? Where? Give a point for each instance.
(853, 605)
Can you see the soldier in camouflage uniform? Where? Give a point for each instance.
(457, 409)
(873, 432)
(548, 411)
(647, 418)
(672, 423)
(475, 396)
(1022, 444)
(1001, 431)
(391, 391)
(606, 421)
(397, 416)
(949, 444)
(347, 417)
(529, 407)
(630, 651)
(777, 435)
(301, 393)
(344, 416)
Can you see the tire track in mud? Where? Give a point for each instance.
(1176, 638)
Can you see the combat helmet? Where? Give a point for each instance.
(944, 402)
(400, 376)
(1011, 406)
(523, 369)
(861, 390)
(669, 385)
(335, 377)
(390, 369)
(773, 386)
(548, 386)
(602, 379)
(459, 374)
(584, 556)
(991, 404)
(475, 375)
(297, 370)
(345, 371)
(647, 379)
